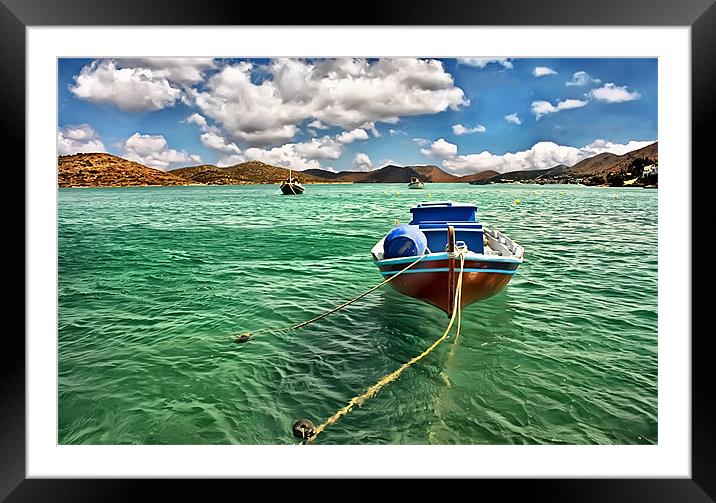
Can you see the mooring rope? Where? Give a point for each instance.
(373, 390)
(247, 335)
(457, 334)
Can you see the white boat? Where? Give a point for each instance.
(415, 183)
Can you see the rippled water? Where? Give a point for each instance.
(153, 282)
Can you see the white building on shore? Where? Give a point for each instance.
(651, 169)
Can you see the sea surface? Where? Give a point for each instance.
(154, 283)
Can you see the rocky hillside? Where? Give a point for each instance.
(240, 174)
(602, 164)
(105, 170)
(534, 174)
(325, 174)
(389, 174)
(601, 169)
(555, 174)
(479, 178)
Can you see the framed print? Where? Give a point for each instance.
(429, 244)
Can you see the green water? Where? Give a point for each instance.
(153, 282)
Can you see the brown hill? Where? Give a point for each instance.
(432, 174)
(599, 163)
(478, 177)
(389, 174)
(239, 174)
(534, 174)
(106, 170)
(602, 164)
(328, 175)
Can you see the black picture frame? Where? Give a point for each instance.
(699, 15)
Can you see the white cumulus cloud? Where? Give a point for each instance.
(213, 138)
(459, 129)
(541, 155)
(217, 142)
(612, 93)
(78, 139)
(513, 119)
(199, 120)
(305, 155)
(483, 62)
(370, 126)
(184, 71)
(153, 151)
(441, 149)
(317, 125)
(348, 93)
(320, 148)
(285, 156)
(542, 108)
(351, 136)
(542, 71)
(601, 146)
(581, 78)
(130, 89)
(294, 155)
(362, 162)
(231, 160)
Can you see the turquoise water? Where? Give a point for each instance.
(154, 282)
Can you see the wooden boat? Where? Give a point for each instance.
(291, 186)
(440, 232)
(415, 183)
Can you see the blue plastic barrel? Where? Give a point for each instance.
(404, 241)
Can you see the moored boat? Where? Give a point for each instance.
(291, 186)
(441, 236)
(415, 183)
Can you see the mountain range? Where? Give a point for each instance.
(106, 170)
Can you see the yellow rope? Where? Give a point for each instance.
(457, 335)
(373, 390)
(245, 336)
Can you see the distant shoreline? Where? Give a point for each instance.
(346, 183)
(190, 185)
(638, 168)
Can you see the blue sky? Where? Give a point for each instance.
(464, 115)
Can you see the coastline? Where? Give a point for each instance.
(189, 185)
(632, 186)
(636, 168)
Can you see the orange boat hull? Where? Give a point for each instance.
(435, 281)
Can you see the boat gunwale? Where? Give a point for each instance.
(515, 257)
(509, 272)
(470, 255)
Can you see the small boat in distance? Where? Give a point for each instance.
(440, 232)
(291, 186)
(415, 183)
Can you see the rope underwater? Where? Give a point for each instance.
(304, 428)
(248, 335)
(457, 334)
